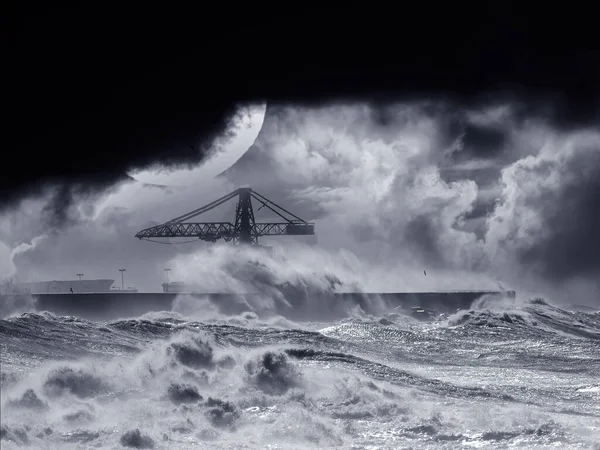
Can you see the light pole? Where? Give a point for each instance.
(79, 275)
(122, 279)
(167, 272)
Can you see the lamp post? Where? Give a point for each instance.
(79, 275)
(167, 272)
(122, 279)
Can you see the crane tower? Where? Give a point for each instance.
(243, 231)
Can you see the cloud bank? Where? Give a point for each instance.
(487, 193)
(489, 190)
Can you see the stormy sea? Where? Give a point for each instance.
(518, 373)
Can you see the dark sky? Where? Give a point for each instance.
(94, 90)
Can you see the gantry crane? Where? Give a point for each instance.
(244, 231)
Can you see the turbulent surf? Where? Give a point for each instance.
(518, 374)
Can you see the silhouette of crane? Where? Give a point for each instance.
(243, 231)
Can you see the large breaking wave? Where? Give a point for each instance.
(516, 373)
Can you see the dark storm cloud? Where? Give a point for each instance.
(484, 141)
(481, 209)
(68, 203)
(95, 90)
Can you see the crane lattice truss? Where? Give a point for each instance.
(245, 230)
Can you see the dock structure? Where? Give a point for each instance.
(98, 300)
(243, 230)
(115, 305)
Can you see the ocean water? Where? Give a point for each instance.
(519, 374)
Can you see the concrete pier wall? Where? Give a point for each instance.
(114, 305)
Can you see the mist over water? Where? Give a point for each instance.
(406, 198)
(226, 268)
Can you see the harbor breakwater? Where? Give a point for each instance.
(114, 305)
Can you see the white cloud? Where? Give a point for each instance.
(545, 223)
(373, 181)
(384, 208)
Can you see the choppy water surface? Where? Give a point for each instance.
(525, 376)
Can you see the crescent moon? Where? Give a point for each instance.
(246, 131)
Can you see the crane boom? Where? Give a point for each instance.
(243, 230)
